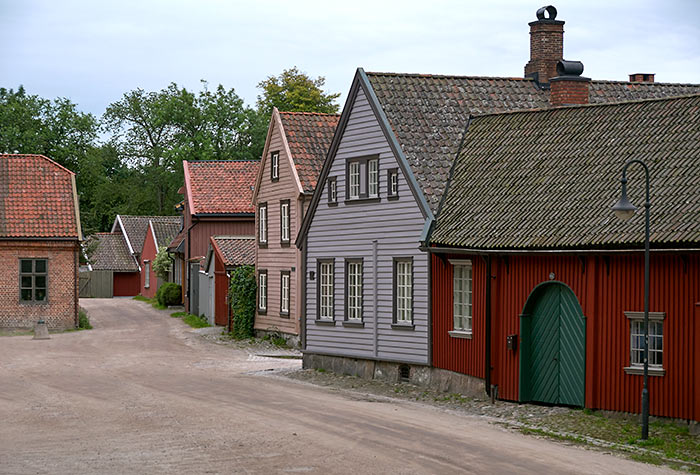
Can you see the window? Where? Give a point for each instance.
(373, 178)
(275, 166)
(656, 343)
(353, 289)
(462, 296)
(354, 180)
(147, 274)
(332, 190)
(284, 293)
(393, 183)
(262, 223)
(33, 276)
(403, 291)
(325, 289)
(284, 221)
(262, 291)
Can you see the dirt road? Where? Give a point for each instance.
(142, 394)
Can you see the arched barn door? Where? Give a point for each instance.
(553, 348)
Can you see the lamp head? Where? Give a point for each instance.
(623, 209)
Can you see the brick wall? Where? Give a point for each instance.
(546, 48)
(60, 310)
(569, 91)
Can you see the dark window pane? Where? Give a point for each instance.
(26, 294)
(40, 281)
(40, 266)
(40, 294)
(26, 265)
(26, 281)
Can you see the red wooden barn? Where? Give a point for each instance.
(537, 287)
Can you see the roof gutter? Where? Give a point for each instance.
(223, 215)
(485, 252)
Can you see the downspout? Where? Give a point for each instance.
(487, 356)
(303, 295)
(374, 298)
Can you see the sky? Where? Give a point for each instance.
(93, 52)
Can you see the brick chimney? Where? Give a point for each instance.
(546, 46)
(569, 87)
(642, 77)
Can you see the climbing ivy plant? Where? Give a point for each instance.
(242, 298)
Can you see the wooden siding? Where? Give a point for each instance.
(126, 284)
(221, 285)
(348, 231)
(148, 254)
(276, 257)
(606, 287)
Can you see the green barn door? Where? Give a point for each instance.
(553, 352)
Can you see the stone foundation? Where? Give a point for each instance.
(420, 375)
(292, 340)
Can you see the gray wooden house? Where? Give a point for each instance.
(367, 299)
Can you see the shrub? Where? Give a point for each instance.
(242, 298)
(162, 263)
(169, 293)
(83, 320)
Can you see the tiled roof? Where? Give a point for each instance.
(136, 227)
(36, 198)
(309, 135)
(166, 229)
(177, 240)
(548, 179)
(236, 250)
(429, 113)
(221, 187)
(112, 253)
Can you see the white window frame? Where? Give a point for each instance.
(262, 291)
(403, 298)
(354, 289)
(275, 166)
(326, 270)
(462, 298)
(354, 180)
(332, 190)
(656, 343)
(262, 223)
(373, 178)
(284, 292)
(284, 220)
(147, 274)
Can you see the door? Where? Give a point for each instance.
(553, 350)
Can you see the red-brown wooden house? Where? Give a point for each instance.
(160, 233)
(537, 287)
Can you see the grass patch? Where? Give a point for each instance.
(276, 339)
(178, 314)
(83, 320)
(154, 303)
(192, 320)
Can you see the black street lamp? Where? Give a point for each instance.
(625, 210)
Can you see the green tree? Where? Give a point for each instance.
(294, 91)
(162, 263)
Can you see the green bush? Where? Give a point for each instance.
(83, 320)
(242, 298)
(162, 263)
(169, 293)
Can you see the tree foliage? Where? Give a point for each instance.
(162, 264)
(294, 91)
(242, 299)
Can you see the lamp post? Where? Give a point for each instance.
(625, 210)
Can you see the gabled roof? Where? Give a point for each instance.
(428, 113)
(220, 186)
(548, 179)
(177, 242)
(309, 135)
(164, 231)
(235, 250)
(112, 253)
(38, 199)
(135, 228)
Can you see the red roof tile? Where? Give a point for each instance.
(309, 135)
(220, 187)
(36, 198)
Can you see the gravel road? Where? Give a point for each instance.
(142, 393)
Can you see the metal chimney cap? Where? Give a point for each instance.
(549, 10)
(569, 68)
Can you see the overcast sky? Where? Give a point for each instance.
(94, 51)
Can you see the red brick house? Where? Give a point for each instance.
(39, 243)
(538, 289)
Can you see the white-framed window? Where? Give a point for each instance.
(373, 178)
(353, 281)
(284, 293)
(262, 223)
(262, 291)
(462, 295)
(325, 294)
(393, 183)
(354, 179)
(403, 283)
(656, 343)
(147, 274)
(33, 276)
(284, 221)
(274, 166)
(332, 190)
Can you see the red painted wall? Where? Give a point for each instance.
(148, 254)
(221, 283)
(126, 284)
(605, 287)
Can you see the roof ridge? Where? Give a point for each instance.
(36, 155)
(644, 83)
(456, 76)
(308, 113)
(233, 237)
(583, 106)
(231, 160)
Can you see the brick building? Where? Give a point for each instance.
(39, 243)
